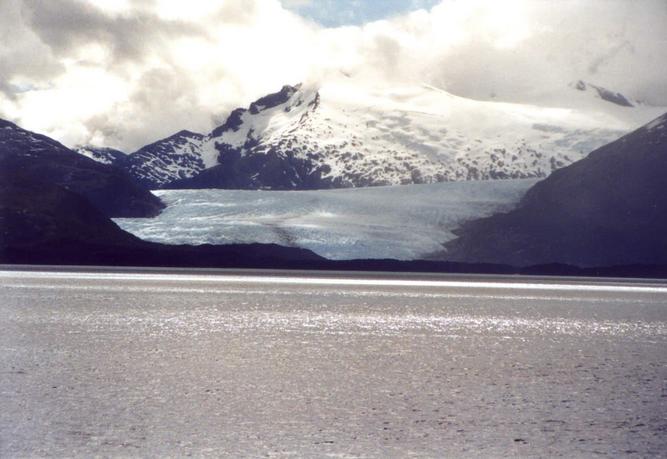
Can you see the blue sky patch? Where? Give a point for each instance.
(334, 13)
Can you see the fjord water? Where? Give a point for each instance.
(122, 364)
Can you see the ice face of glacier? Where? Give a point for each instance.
(405, 222)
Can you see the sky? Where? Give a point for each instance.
(336, 13)
(124, 73)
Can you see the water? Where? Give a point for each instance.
(136, 365)
(400, 222)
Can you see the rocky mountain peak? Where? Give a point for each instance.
(275, 99)
(285, 100)
(603, 93)
(186, 133)
(233, 122)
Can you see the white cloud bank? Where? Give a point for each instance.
(124, 73)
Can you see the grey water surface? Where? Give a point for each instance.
(122, 364)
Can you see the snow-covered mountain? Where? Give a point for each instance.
(347, 133)
(102, 155)
(180, 156)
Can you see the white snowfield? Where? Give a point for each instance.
(404, 222)
(394, 135)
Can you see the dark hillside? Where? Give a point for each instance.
(607, 209)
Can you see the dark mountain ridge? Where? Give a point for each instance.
(607, 209)
(37, 158)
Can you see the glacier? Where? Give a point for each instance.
(401, 222)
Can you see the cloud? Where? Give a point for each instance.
(516, 47)
(124, 73)
(65, 25)
(21, 51)
(296, 3)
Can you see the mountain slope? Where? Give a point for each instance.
(36, 157)
(345, 134)
(607, 209)
(180, 156)
(41, 212)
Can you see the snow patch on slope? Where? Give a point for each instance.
(102, 155)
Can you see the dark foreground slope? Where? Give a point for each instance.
(37, 158)
(607, 209)
(42, 223)
(41, 213)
